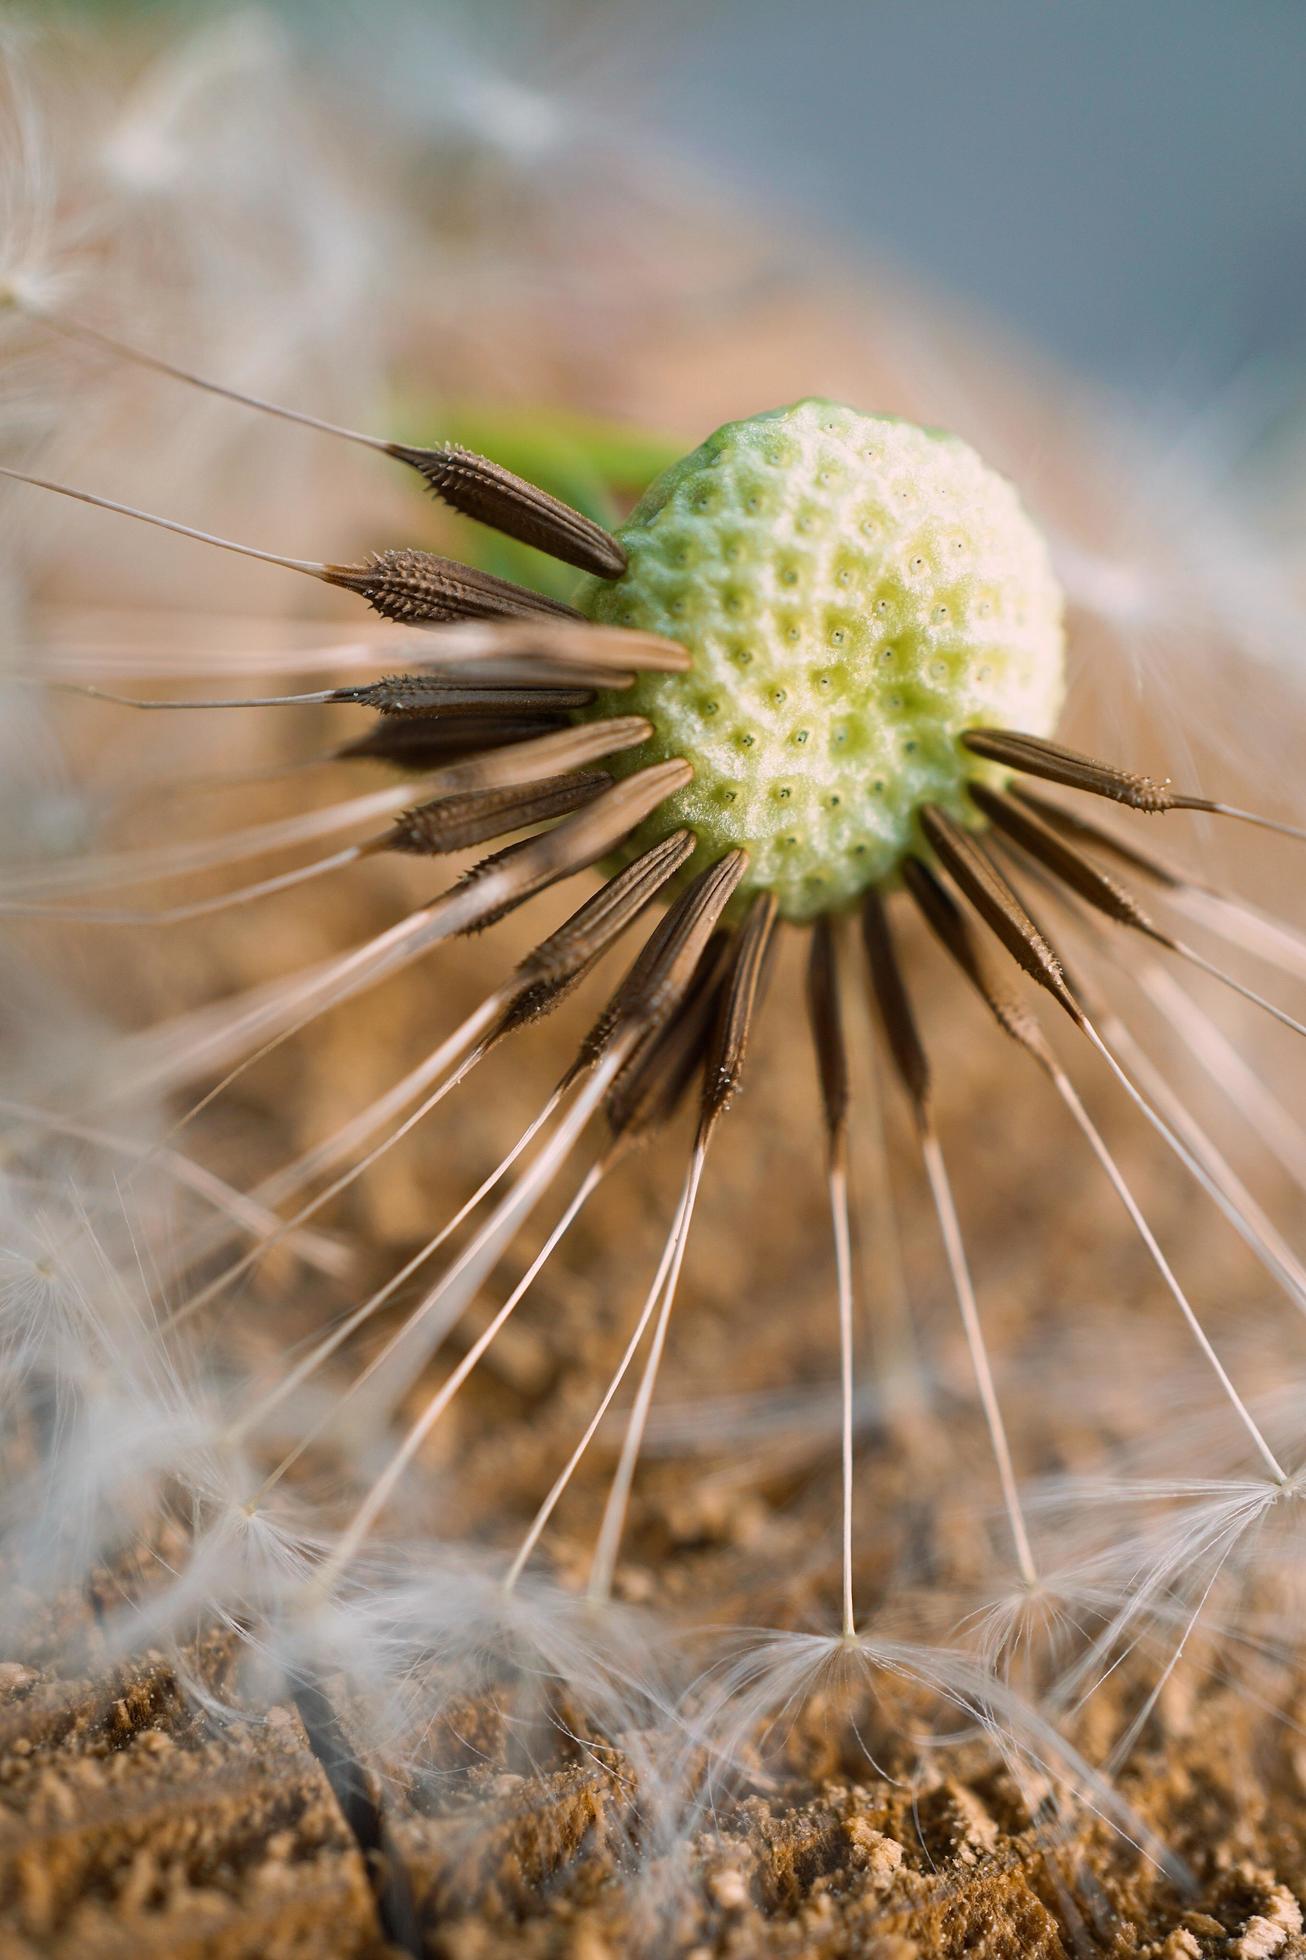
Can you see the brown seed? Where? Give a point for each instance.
(895, 1009)
(1106, 893)
(1097, 836)
(1060, 856)
(456, 823)
(724, 1067)
(988, 891)
(651, 1087)
(433, 696)
(415, 587)
(957, 934)
(422, 744)
(593, 928)
(825, 1015)
(1077, 978)
(559, 963)
(1034, 756)
(661, 973)
(486, 491)
(580, 840)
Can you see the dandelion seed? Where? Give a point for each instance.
(1038, 757)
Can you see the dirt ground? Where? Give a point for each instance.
(132, 1823)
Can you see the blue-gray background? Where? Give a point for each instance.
(1126, 179)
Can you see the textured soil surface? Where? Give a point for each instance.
(129, 1825)
(133, 1823)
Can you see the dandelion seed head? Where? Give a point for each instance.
(354, 1476)
(856, 592)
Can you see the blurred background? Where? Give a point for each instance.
(1125, 184)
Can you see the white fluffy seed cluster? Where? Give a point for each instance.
(856, 592)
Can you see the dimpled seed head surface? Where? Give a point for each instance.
(856, 592)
